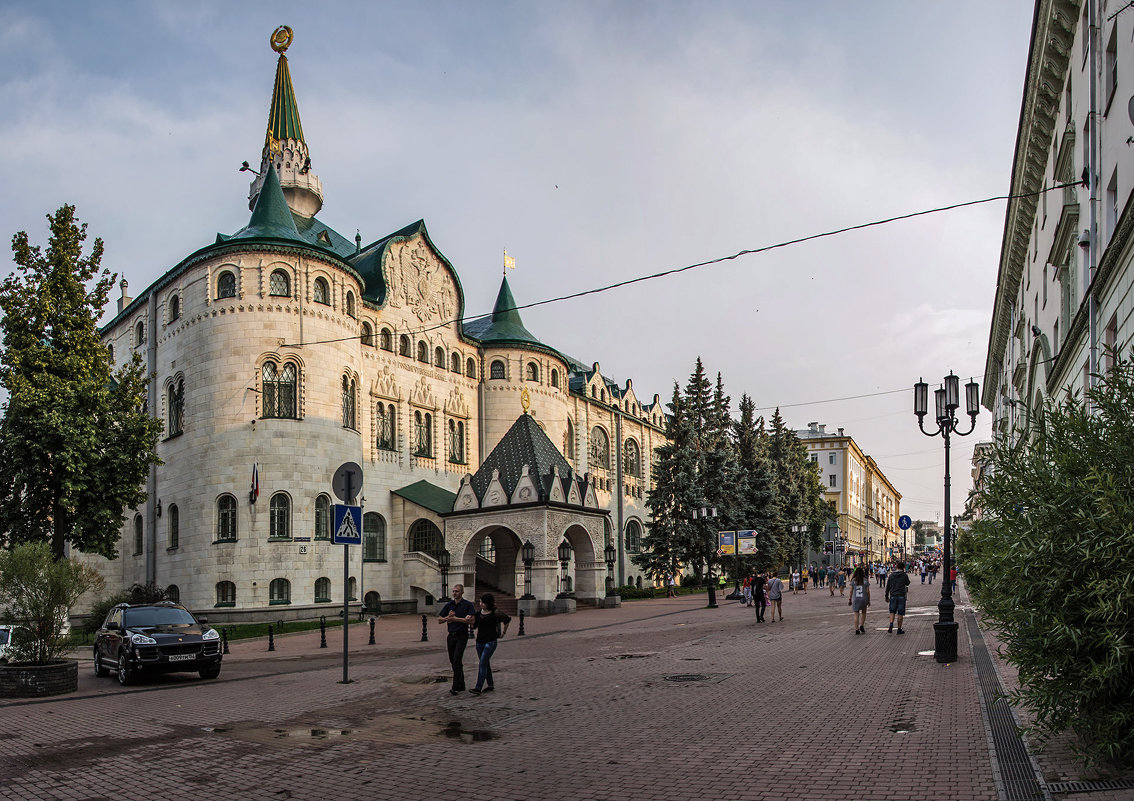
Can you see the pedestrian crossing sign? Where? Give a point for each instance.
(348, 524)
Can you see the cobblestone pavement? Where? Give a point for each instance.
(585, 707)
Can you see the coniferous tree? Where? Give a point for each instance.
(755, 484)
(76, 441)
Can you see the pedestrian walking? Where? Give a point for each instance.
(842, 581)
(776, 596)
(671, 588)
(953, 578)
(458, 614)
(747, 591)
(923, 571)
(759, 595)
(897, 585)
(860, 599)
(491, 624)
(795, 582)
(803, 581)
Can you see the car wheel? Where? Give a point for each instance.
(210, 672)
(99, 670)
(125, 673)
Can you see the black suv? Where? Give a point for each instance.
(155, 638)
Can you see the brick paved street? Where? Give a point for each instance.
(582, 710)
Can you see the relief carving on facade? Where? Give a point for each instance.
(455, 404)
(422, 395)
(384, 386)
(419, 281)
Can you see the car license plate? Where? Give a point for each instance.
(182, 657)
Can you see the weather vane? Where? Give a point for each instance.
(281, 39)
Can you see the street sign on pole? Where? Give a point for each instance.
(346, 482)
(348, 524)
(904, 522)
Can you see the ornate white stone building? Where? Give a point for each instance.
(1063, 293)
(285, 350)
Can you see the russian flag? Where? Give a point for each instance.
(255, 493)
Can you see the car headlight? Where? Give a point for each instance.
(142, 639)
(211, 634)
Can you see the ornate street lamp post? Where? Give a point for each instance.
(798, 531)
(443, 563)
(947, 401)
(564, 553)
(709, 512)
(527, 553)
(609, 554)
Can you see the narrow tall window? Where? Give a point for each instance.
(455, 363)
(279, 390)
(555, 378)
(174, 517)
(322, 590)
(386, 339)
(423, 434)
(279, 285)
(350, 310)
(569, 441)
(423, 352)
(177, 408)
(367, 335)
(456, 441)
(403, 346)
(600, 448)
(439, 358)
(632, 458)
(349, 416)
(532, 372)
(174, 307)
(633, 537)
(384, 424)
(470, 368)
(322, 518)
(321, 293)
(373, 537)
(496, 370)
(279, 517)
(226, 285)
(226, 519)
(139, 538)
(140, 333)
(226, 593)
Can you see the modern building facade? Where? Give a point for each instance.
(1063, 294)
(865, 503)
(285, 350)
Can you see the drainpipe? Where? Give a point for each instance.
(151, 403)
(1093, 187)
(619, 538)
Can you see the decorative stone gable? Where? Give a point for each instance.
(420, 281)
(495, 494)
(525, 491)
(574, 497)
(384, 386)
(422, 395)
(455, 404)
(589, 498)
(466, 498)
(555, 491)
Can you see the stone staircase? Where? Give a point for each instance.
(505, 602)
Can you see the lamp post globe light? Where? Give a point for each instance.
(709, 512)
(609, 554)
(946, 401)
(564, 553)
(527, 553)
(443, 563)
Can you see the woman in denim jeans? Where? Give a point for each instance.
(491, 624)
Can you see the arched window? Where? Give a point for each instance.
(373, 602)
(226, 593)
(322, 590)
(367, 335)
(425, 537)
(569, 441)
(554, 378)
(226, 285)
(457, 441)
(352, 589)
(173, 593)
(455, 363)
(322, 518)
(279, 517)
(174, 517)
(633, 537)
(350, 419)
(176, 408)
(600, 448)
(532, 372)
(496, 369)
(385, 426)
(632, 459)
(423, 434)
(226, 519)
(403, 346)
(279, 591)
(140, 334)
(386, 340)
(139, 539)
(439, 358)
(470, 367)
(110, 351)
(174, 307)
(602, 395)
(279, 390)
(350, 310)
(321, 293)
(594, 391)
(373, 538)
(423, 352)
(279, 284)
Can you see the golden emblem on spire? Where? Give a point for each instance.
(525, 399)
(281, 39)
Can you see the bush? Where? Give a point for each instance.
(100, 609)
(37, 592)
(1050, 562)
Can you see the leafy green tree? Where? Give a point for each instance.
(37, 591)
(1050, 562)
(76, 441)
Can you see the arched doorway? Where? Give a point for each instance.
(494, 553)
(585, 567)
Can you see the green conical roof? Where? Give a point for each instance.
(271, 218)
(504, 325)
(283, 116)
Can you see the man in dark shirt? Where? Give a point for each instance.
(897, 585)
(458, 613)
(758, 583)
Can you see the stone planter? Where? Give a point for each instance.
(36, 681)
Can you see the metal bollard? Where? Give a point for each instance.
(521, 623)
(224, 640)
(424, 628)
(322, 631)
(271, 638)
(371, 632)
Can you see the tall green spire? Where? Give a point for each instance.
(504, 325)
(283, 116)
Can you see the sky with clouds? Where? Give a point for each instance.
(597, 142)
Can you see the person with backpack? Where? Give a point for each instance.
(860, 599)
(897, 585)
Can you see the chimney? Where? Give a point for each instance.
(840, 432)
(823, 429)
(124, 300)
(814, 427)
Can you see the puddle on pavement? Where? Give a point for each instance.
(454, 731)
(902, 727)
(312, 734)
(632, 656)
